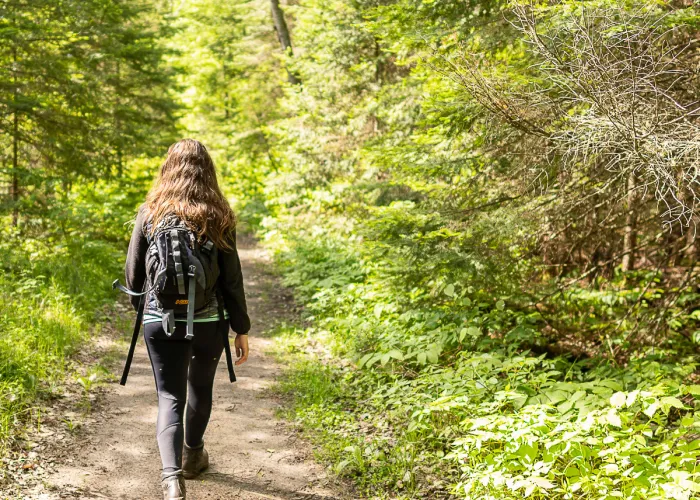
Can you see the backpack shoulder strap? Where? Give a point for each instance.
(227, 345)
(177, 257)
(134, 339)
(190, 302)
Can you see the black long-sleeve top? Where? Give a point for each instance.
(230, 282)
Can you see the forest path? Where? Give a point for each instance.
(254, 456)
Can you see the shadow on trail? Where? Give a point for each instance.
(240, 487)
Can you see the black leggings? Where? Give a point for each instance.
(181, 366)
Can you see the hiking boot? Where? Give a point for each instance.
(174, 487)
(194, 461)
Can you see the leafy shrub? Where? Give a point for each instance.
(56, 276)
(433, 389)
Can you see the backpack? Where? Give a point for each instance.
(182, 273)
(180, 270)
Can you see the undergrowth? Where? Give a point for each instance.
(431, 394)
(55, 284)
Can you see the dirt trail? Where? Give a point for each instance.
(253, 455)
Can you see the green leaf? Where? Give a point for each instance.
(687, 421)
(462, 334)
(528, 451)
(342, 466)
(372, 360)
(693, 389)
(396, 354)
(500, 305)
(611, 469)
(669, 401)
(618, 399)
(555, 396)
(519, 402)
(449, 290)
(542, 482)
(613, 418)
(474, 332)
(565, 406)
(612, 384)
(577, 395)
(650, 410)
(364, 359)
(572, 472)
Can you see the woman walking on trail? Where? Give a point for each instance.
(186, 197)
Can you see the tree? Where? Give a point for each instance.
(283, 36)
(84, 85)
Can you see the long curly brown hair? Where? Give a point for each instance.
(187, 189)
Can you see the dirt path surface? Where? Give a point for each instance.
(253, 455)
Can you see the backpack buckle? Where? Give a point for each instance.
(192, 270)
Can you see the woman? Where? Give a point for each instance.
(187, 192)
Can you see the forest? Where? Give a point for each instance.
(487, 211)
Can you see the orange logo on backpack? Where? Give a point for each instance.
(181, 302)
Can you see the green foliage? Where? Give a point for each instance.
(465, 198)
(468, 197)
(229, 86)
(442, 395)
(85, 91)
(54, 283)
(86, 99)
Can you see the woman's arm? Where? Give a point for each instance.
(231, 286)
(135, 269)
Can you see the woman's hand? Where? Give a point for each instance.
(241, 344)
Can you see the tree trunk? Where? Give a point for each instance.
(630, 241)
(378, 66)
(283, 36)
(15, 148)
(691, 241)
(15, 184)
(225, 85)
(117, 124)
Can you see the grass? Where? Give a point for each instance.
(49, 303)
(352, 435)
(55, 291)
